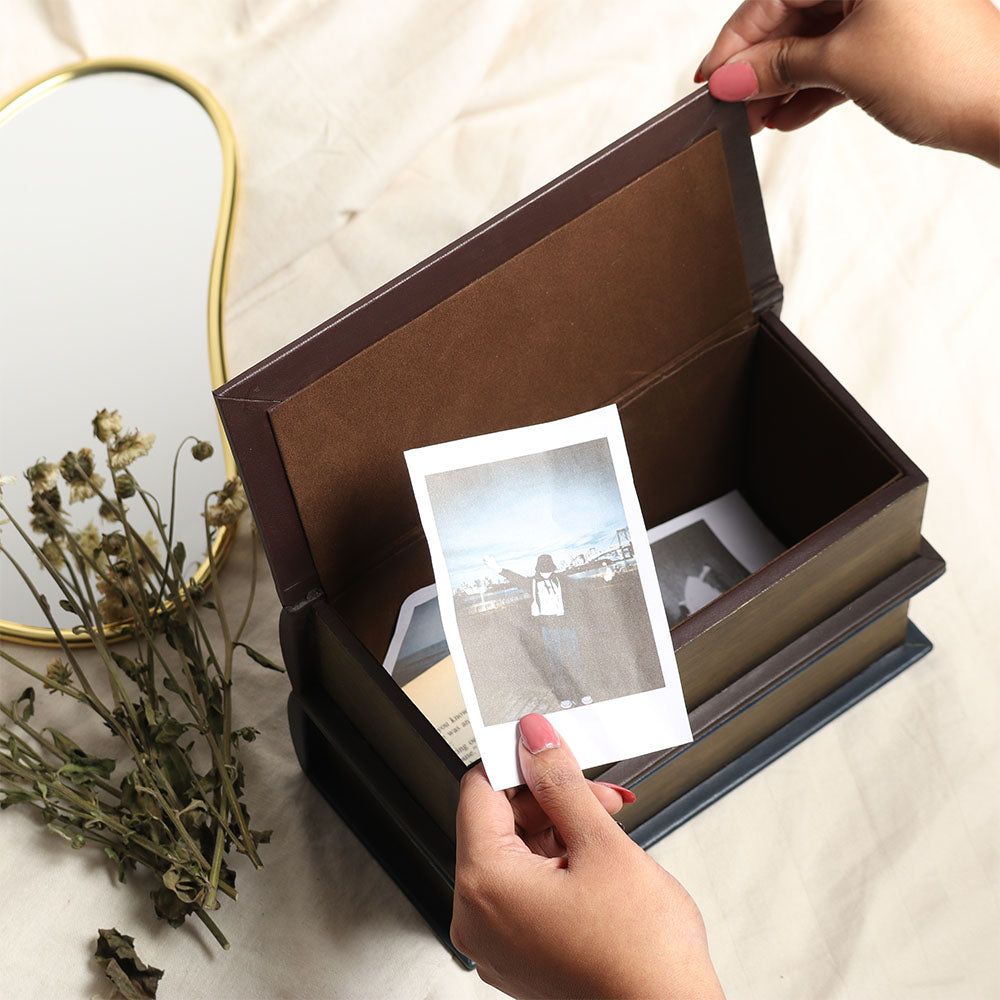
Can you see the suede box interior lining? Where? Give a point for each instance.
(641, 300)
(574, 321)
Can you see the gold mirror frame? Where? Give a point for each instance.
(35, 635)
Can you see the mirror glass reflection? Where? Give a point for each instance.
(111, 185)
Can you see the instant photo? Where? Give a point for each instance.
(547, 590)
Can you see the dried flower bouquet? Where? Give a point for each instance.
(173, 800)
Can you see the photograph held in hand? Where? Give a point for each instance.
(552, 603)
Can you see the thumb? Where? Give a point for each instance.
(772, 69)
(554, 778)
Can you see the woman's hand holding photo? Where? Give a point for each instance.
(552, 898)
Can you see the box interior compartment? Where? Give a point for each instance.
(641, 300)
(742, 415)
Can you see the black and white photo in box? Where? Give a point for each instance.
(546, 584)
(700, 554)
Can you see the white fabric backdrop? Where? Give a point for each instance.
(863, 864)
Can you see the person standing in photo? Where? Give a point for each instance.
(554, 609)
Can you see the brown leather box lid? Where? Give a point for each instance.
(632, 263)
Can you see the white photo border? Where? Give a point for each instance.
(406, 611)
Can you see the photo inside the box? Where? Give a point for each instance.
(698, 556)
(693, 569)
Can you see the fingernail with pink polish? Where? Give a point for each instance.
(734, 82)
(627, 797)
(537, 733)
(699, 77)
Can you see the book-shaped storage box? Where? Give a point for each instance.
(643, 277)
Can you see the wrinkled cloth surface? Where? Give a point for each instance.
(864, 864)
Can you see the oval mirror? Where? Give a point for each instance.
(117, 183)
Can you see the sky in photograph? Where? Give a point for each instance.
(559, 502)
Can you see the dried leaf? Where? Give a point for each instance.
(183, 886)
(168, 731)
(28, 709)
(168, 907)
(127, 666)
(81, 768)
(12, 798)
(180, 636)
(260, 658)
(82, 775)
(133, 979)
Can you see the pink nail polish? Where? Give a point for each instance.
(537, 733)
(627, 797)
(698, 77)
(734, 82)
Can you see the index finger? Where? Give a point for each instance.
(484, 819)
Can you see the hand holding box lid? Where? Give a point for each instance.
(792, 61)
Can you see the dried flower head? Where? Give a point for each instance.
(108, 511)
(231, 501)
(76, 465)
(126, 448)
(153, 545)
(125, 486)
(202, 450)
(111, 606)
(6, 481)
(77, 469)
(84, 491)
(42, 476)
(115, 593)
(114, 543)
(53, 553)
(106, 425)
(127, 578)
(89, 540)
(58, 673)
(47, 516)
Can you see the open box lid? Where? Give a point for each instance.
(518, 322)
